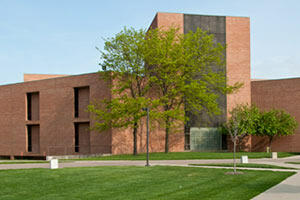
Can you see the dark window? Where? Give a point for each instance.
(29, 139)
(81, 102)
(76, 137)
(29, 106)
(224, 142)
(33, 138)
(76, 104)
(82, 137)
(33, 106)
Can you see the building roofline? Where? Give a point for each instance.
(202, 14)
(279, 79)
(67, 76)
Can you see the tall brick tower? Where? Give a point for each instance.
(234, 32)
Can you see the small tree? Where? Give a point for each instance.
(243, 121)
(124, 68)
(181, 72)
(276, 123)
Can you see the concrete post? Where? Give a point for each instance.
(244, 159)
(53, 164)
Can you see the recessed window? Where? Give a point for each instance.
(33, 106)
(82, 138)
(81, 102)
(33, 138)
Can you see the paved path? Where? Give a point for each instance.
(288, 189)
(279, 162)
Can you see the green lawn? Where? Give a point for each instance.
(246, 165)
(21, 162)
(295, 163)
(30, 162)
(157, 182)
(189, 156)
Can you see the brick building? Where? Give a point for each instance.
(280, 94)
(46, 114)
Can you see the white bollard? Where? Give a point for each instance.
(244, 159)
(274, 155)
(53, 164)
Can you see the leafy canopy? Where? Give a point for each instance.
(244, 120)
(181, 72)
(124, 67)
(250, 120)
(276, 123)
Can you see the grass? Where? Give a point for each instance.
(157, 182)
(29, 162)
(189, 156)
(295, 163)
(22, 162)
(245, 165)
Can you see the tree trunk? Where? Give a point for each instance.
(234, 160)
(167, 136)
(135, 129)
(270, 143)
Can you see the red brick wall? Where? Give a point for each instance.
(56, 116)
(122, 140)
(238, 65)
(170, 20)
(238, 59)
(280, 94)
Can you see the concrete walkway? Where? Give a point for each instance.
(152, 162)
(288, 189)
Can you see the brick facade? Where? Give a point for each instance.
(238, 66)
(53, 116)
(54, 127)
(46, 114)
(279, 94)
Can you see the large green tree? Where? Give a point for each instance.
(182, 74)
(124, 68)
(170, 72)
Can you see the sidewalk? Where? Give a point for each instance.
(288, 189)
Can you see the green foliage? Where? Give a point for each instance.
(162, 69)
(121, 112)
(249, 120)
(124, 68)
(181, 72)
(276, 123)
(244, 120)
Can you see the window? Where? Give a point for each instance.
(33, 138)
(33, 106)
(81, 102)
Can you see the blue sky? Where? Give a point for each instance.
(59, 36)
